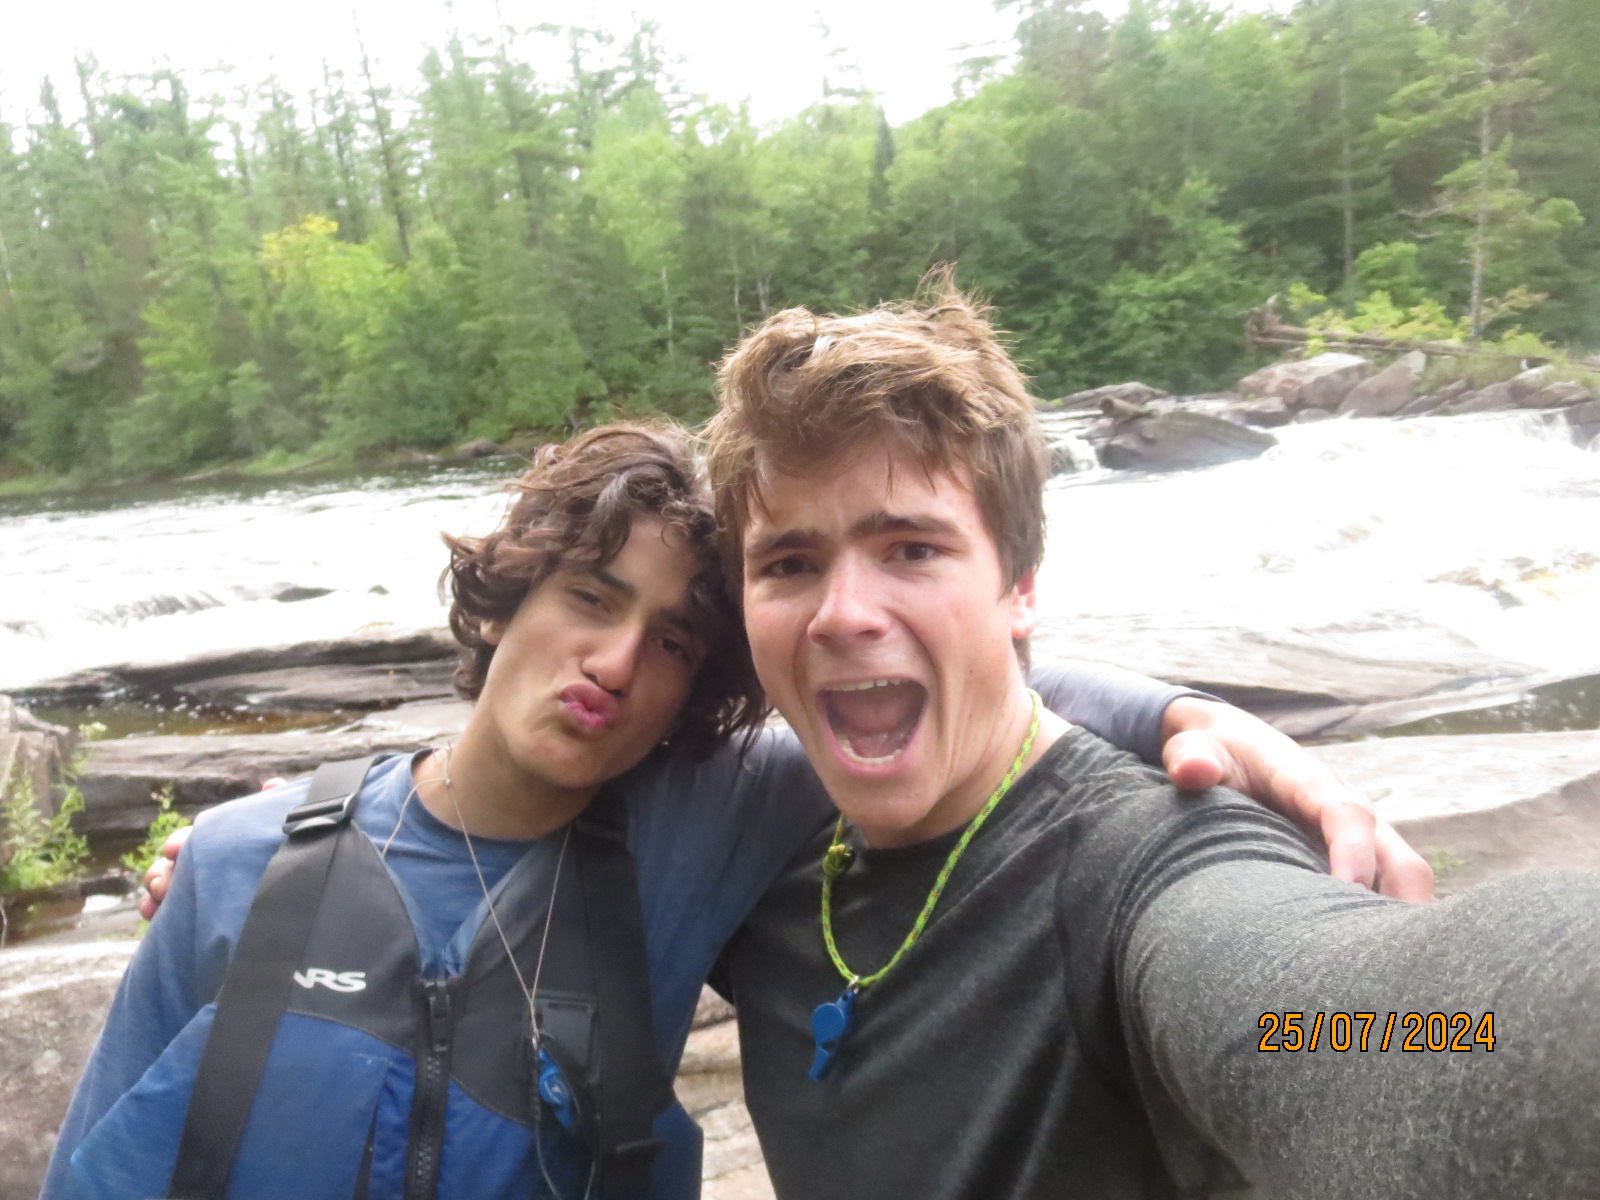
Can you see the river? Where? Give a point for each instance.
(1483, 528)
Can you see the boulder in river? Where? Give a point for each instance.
(1489, 705)
(1387, 392)
(1526, 383)
(32, 756)
(1495, 397)
(1278, 672)
(1320, 382)
(1585, 420)
(481, 448)
(1176, 439)
(1557, 395)
(1092, 399)
(1268, 412)
(1437, 399)
(295, 593)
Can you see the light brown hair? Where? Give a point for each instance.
(930, 376)
(576, 505)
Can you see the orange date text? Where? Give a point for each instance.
(1341, 1032)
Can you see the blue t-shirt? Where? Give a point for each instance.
(707, 839)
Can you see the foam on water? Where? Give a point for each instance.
(194, 572)
(1488, 525)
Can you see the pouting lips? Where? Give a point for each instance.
(591, 707)
(874, 721)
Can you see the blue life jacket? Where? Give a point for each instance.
(331, 1066)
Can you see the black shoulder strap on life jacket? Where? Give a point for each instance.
(632, 1085)
(255, 990)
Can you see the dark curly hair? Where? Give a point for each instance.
(577, 504)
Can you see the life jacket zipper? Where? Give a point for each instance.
(432, 1095)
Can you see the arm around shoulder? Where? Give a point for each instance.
(1123, 707)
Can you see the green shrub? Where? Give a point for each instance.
(44, 851)
(167, 821)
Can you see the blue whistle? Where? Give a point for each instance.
(831, 1023)
(556, 1092)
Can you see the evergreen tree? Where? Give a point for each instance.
(494, 249)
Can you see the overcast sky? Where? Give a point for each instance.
(772, 54)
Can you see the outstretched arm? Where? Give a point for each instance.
(1202, 941)
(1463, 1061)
(1203, 743)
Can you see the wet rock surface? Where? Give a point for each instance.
(480, 448)
(710, 1088)
(1557, 395)
(1319, 382)
(165, 681)
(1387, 392)
(52, 1000)
(1484, 806)
(1269, 412)
(325, 688)
(1278, 673)
(1540, 701)
(1436, 400)
(119, 777)
(1092, 399)
(1177, 439)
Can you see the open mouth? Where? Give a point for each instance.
(873, 720)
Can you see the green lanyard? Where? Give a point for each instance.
(831, 1021)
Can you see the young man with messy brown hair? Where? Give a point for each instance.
(1023, 965)
(605, 654)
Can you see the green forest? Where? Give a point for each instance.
(189, 280)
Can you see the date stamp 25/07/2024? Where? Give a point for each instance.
(1412, 1032)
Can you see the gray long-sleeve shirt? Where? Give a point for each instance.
(1082, 1015)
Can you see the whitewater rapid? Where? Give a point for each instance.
(1485, 525)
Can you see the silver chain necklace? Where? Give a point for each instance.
(544, 940)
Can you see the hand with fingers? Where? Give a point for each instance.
(1210, 744)
(158, 875)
